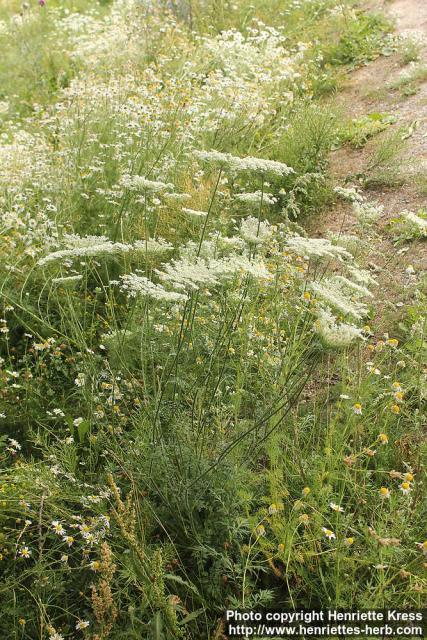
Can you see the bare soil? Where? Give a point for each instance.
(369, 90)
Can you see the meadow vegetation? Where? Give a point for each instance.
(200, 407)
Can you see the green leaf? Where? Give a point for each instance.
(157, 626)
(82, 429)
(191, 616)
(184, 583)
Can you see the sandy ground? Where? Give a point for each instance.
(367, 91)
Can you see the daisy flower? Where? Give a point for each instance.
(82, 624)
(405, 487)
(328, 533)
(58, 528)
(336, 507)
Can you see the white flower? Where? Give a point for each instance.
(405, 487)
(254, 231)
(58, 528)
(256, 165)
(178, 197)
(194, 213)
(350, 194)
(200, 272)
(362, 276)
(415, 223)
(336, 507)
(214, 157)
(316, 247)
(256, 198)
(139, 183)
(260, 165)
(98, 246)
(25, 552)
(368, 212)
(82, 624)
(67, 279)
(136, 285)
(345, 284)
(152, 245)
(332, 293)
(333, 333)
(328, 533)
(80, 381)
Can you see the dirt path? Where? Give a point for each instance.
(410, 15)
(369, 90)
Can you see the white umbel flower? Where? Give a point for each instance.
(362, 276)
(368, 212)
(256, 197)
(251, 164)
(334, 334)
(330, 292)
(350, 193)
(352, 287)
(194, 214)
(98, 246)
(140, 183)
(196, 273)
(136, 285)
(67, 279)
(254, 231)
(316, 248)
(415, 223)
(97, 249)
